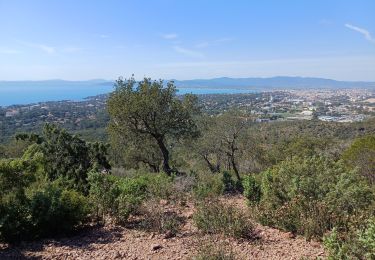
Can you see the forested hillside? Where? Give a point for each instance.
(155, 162)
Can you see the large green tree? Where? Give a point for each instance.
(65, 156)
(151, 110)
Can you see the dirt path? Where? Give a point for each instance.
(125, 243)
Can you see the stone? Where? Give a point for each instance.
(169, 234)
(155, 247)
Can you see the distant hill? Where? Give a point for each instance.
(217, 83)
(26, 92)
(272, 83)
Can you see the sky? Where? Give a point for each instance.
(186, 39)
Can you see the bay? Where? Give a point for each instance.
(17, 94)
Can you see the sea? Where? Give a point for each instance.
(18, 95)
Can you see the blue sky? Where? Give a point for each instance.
(87, 39)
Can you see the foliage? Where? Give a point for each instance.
(56, 211)
(229, 184)
(223, 140)
(49, 179)
(214, 217)
(15, 177)
(208, 186)
(252, 189)
(360, 244)
(361, 154)
(14, 218)
(118, 197)
(48, 211)
(150, 110)
(66, 157)
(113, 197)
(13, 149)
(136, 152)
(311, 195)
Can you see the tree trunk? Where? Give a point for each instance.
(234, 166)
(154, 167)
(213, 169)
(166, 168)
(233, 161)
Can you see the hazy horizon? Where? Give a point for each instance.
(178, 79)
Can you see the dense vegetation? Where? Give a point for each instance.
(311, 178)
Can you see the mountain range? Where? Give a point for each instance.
(280, 82)
(273, 83)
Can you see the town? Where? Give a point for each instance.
(336, 105)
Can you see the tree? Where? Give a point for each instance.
(229, 129)
(132, 151)
(224, 142)
(66, 156)
(208, 147)
(150, 110)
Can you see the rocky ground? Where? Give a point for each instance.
(114, 242)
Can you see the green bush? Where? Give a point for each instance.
(51, 210)
(57, 211)
(360, 244)
(230, 185)
(361, 154)
(214, 217)
(65, 156)
(132, 192)
(252, 190)
(208, 185)
(14, 219)
(309, 196)
(118, 197)
(159, 186)
(103, 194)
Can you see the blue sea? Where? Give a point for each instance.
(16, 94)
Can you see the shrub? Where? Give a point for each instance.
(309, 196)
(103, 194)
(184, 183)
(160, 186)
(115, 197)
(56, 211)
(132, 191)
(366, 240)
(214, 251)
(359, 244)
(208, 185)
(14, 219)
(229, 184)
(215, 217)
(66, 156)
(252, 190)
(118, 197)
(159, 220)
(51, 210)
(361, 154)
